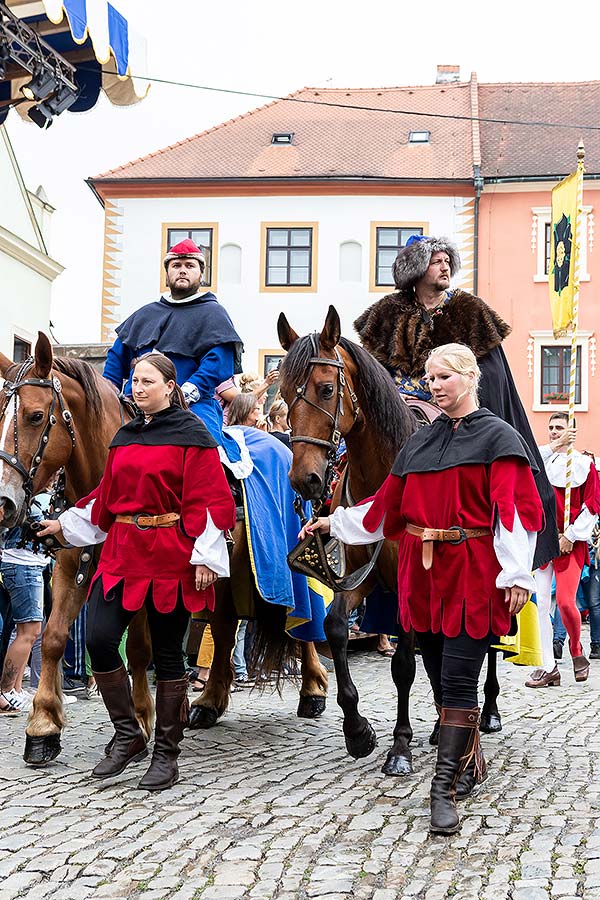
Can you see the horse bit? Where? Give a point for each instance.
(333, 443)
(11, 388)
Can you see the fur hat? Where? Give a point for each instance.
(185, 250)
(413, 260)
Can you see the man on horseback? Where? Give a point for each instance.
(402, 328)
(189, 326)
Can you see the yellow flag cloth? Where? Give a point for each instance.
(525, 647)
(563, 251)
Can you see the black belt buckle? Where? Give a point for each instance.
(461, 531)
(136, 522)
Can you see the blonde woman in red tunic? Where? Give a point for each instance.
(161, 510)
(462, 503)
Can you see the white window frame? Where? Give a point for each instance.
(547, 339)
(543, 217)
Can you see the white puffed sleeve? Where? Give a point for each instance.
(583, 526)
(210, 549)
(514, 551)
(77, 526)
(346, 524)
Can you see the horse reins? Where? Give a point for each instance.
(300, 394)
(11, 388)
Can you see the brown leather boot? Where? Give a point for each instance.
(172, 710)
(129, 744)
(458, 745)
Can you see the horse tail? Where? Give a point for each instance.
(274, 654)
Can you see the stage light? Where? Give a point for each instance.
(44, 82)
(41, 115)
(63, 99)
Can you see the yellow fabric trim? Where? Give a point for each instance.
(525, 647)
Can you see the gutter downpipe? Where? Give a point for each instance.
(478, 184)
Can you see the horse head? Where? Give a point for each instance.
(316, 381)
(31, 449)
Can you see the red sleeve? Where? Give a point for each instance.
(387, 502)
(205, 488)
(101, 517)
(591, 492)
(512, 486)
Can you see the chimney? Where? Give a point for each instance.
(447, 74)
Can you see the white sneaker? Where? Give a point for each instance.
(26, 673)
(15, 699)
(26, 700)
(69, 698)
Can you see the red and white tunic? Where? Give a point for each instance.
(466, 581)
(154, 480)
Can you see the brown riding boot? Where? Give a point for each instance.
(172, 710)
(458, 745)
(129, 744)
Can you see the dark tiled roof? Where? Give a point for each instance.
(510, 150)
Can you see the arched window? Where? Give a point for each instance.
(231, 264)
(350, 261)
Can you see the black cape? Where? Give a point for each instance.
(481, 438)
(173, 426)
(498, 392)
(186, 329)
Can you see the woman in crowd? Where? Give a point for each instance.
(161, 508)
(245, 409)
(278, 421)
(462, 503)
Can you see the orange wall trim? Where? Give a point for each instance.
(148, 188)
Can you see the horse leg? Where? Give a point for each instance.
(360, 737)
(46, 719)
(399, 758)
(139, 654)
(490, 717)
(212, 703)
(313, 693)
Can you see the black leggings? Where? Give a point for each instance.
(106, 624)
(453, 666)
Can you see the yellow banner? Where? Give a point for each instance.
(563, 252)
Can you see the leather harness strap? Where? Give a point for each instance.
(140, 520)
(453, 535)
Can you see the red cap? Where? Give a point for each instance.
(185, 249)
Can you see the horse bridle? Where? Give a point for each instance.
(9, 389)
(300, 394)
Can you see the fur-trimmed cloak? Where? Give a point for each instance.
(396, 331)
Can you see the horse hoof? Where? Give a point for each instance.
(202, 717)
(490, 723)
(362, 745)
(311, 707)
(434, 737)
(397, 765)
(41, 749)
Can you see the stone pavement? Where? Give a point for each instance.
(270, 806)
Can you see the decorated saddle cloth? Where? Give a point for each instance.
(272, 528)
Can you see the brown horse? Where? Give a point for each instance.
(57, 414)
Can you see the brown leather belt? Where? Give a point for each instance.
(142, 521)
(453, 535)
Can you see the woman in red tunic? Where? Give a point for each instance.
(462, 503)
(161, 509)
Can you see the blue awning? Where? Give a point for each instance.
(115, 63)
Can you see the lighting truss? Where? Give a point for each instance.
(29, 51)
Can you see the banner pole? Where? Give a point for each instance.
(573, 367)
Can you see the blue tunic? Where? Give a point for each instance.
(208, 353)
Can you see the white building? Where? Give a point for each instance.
(26, 269)
(300, 205)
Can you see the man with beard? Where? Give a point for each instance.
(401, 329)
(189, 326)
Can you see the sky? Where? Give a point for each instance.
(271, 47)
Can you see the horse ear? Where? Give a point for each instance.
(330, 335)
(285, 332)
(43, 355)
(5, 364)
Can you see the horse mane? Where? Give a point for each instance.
(377, 394)
(87, 377)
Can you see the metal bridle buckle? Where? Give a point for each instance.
(136, 522)
(462, 533)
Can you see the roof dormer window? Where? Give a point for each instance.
(419, 137)
(283, 137)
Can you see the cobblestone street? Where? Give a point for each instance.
(270, 806)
